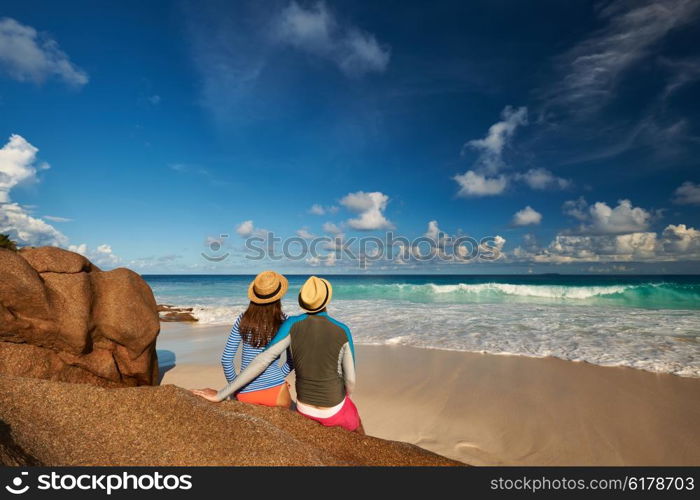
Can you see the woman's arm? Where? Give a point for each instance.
(232, 344)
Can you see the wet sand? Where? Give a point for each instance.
(493, 410)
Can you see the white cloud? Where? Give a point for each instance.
(594, 67)
(309, 29)
(485, 179)
(687, 193)
(236, 50)
(578, 209)
(153, 263)
(475, 184)
(527, 217)
(494, 248)
(316, 31)
(328, 260)
(681, 239)
(17, 165)
(433, 231)
(317, 209)
(336, 244)
(361, 53)
(245, 228)
(685, 71)
(27, 55)
(498, 242)
(102, 256)
(542, 179)
(337, 234)
(600, 218)
(81, 249)
(440, 237)
(27, 230)
(675, 243)
(370, 207)
(612, 234)
(490, 148)
(305, 234)
(331, 228)
(53, 218)
(229, 55)
(586, 248)
(179, 167)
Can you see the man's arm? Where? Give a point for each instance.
(254, 369)
(288, 365)
(274, 349)
(348, 367)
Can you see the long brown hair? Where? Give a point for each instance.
(260, 323)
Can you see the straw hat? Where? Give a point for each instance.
(268, 286)
(315, 294)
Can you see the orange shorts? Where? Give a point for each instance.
(266, 397)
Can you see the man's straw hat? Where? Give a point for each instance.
(268, 286)
(315, 294)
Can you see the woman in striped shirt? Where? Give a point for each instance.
(254, 329)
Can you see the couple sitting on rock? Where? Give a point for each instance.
(318, 348)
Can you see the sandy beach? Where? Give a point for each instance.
(493, 410)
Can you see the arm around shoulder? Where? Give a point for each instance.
(254, 369)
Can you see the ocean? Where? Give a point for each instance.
(645, 322)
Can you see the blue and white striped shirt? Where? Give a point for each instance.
(273, 376)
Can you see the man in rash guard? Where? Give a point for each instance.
(323, 356)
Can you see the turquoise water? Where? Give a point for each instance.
(648, 322)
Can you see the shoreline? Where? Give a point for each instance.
(187, 325)
(487, 409)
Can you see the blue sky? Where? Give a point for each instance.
(139, 132)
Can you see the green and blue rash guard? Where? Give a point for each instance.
(323, 354)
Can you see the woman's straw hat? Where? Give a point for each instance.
(315, 294)
(268, 286)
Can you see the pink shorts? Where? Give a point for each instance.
(347, 417)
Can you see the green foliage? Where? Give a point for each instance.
(6, 242)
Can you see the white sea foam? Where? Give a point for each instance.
(395, 340)
(656, 340)
(216, 315)
(540, 291)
